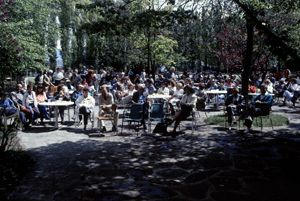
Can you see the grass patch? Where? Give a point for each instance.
(277, 120)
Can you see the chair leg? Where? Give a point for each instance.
(271, 122)
(261, 124)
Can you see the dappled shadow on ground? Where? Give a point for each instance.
(204, 166)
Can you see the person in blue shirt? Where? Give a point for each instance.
(7, 105)
(261, 105)
(140, 97)
(8, 108)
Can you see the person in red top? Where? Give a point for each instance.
(252, 87)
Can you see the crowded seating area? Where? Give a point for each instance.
(169, 96)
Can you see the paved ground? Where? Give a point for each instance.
(209, 165)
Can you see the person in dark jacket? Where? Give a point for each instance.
(233, 104)
(261, 105)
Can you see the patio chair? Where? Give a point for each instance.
(266, 115)
(133, 115)
(156, 114)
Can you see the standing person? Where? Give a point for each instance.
(85, 105)
(107, 106)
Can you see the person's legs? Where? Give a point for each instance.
(83, 111)
(229, 111)
(62, 113)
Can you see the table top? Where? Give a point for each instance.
(216, 92)
(159, 96)
(57, 103)
(256, 94)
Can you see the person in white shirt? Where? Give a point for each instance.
(58, 75)
(292, 92)
(107, 106)
(187, 102)
(30, 103)
(269, 86)
(85, 104)
(164, 89)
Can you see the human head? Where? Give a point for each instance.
(29, 87)
(263, 89)
(19, 87)
(188, 89)
(85, 92)
(104, 89)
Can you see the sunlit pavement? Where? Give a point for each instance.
(210, 164)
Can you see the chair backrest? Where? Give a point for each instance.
(157, 111)
(136, 111)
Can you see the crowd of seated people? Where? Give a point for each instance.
(111, 88)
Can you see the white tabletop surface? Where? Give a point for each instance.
(216, 92)
(57, 103)
(158, 96)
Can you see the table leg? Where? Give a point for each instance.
(56, 117)
(69, 114)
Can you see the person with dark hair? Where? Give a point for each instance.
(7, 106)
(140, 97)
(233, 104)
(85, 105)
(41, 97)
(261, 105)
(31, 104)
(187, 104)
(62, 96)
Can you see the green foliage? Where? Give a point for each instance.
(27, 27)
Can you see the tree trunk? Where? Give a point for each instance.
(247, 60)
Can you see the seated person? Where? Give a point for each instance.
(187, 103)
(7, 106)
(41, 98)
(31, 104)
(107, 107)
(128, 96)
(233, 104)
(77, 93)
(140, 97)
(292, 92)
(62, 96)
(164, 89)
(85, 105)
(261, 105)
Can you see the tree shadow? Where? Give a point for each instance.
(216, 164)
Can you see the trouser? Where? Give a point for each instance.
(43, 112)
(61, 110)
(256, 111)
(114, 122)
(85, 112)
